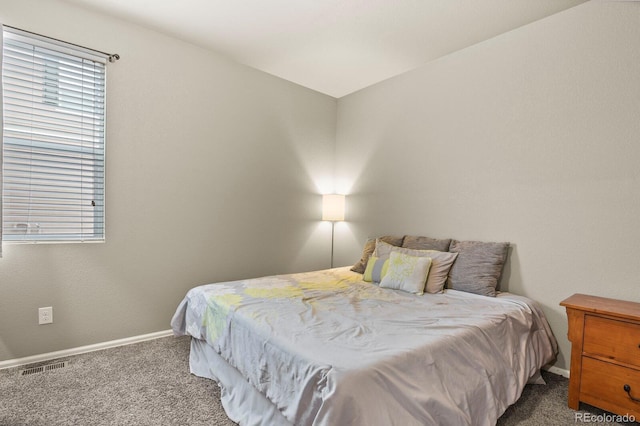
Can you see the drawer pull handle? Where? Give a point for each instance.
(627, 389)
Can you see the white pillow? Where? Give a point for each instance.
(406, 273)
(441, 263)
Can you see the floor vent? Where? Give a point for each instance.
(43, 368)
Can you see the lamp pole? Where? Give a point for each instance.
(333, 227)
(333, 211)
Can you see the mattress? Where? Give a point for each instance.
(326, 348)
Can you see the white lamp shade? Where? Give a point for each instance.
(333, 207)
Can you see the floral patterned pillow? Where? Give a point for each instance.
(406, 273)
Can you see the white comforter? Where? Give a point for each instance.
(329, 349)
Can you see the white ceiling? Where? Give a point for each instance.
(332, 46)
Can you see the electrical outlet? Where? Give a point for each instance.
(45, 315)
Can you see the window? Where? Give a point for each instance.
(53, 144)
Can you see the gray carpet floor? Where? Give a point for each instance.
(149, 383)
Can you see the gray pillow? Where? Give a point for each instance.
(368, 249)
(478, 266)
(426, 243)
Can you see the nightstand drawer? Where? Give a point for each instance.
(612, 339)
(603, 385)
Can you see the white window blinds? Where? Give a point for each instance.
(53, 141)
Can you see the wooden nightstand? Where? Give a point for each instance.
(605, 353)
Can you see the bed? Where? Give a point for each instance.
(327, 348)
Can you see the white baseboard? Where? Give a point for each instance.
(559, 371)
(83, 349)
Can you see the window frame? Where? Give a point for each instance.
(78, 149)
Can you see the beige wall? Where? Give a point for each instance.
(213, 173)
(532, 137)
